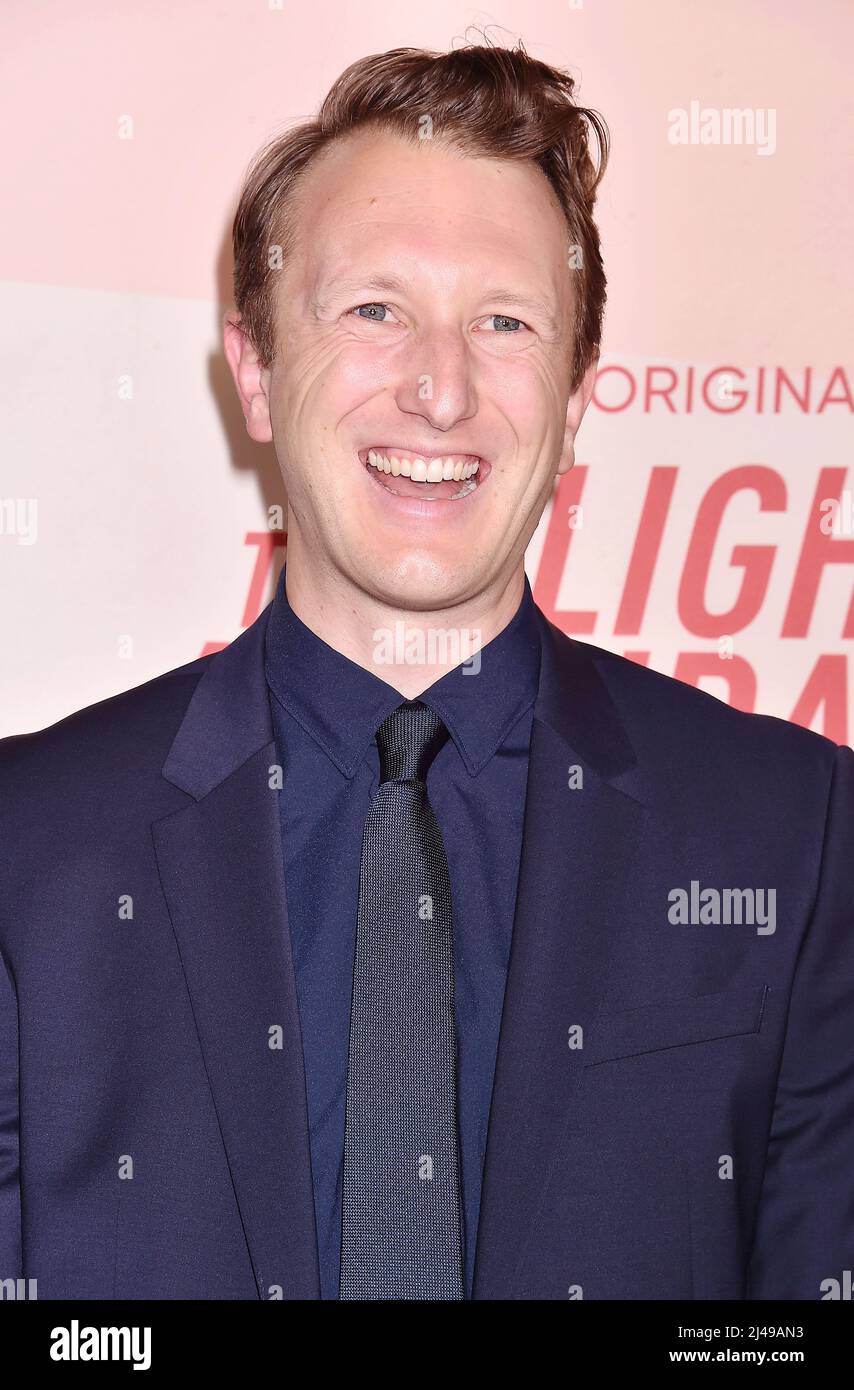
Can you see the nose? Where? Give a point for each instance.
(437, 381)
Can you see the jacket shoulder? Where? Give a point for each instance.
(680, 725)
(135, 725)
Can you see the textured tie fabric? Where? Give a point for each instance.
(401, 1198)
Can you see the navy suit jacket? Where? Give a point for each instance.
(698, 1143)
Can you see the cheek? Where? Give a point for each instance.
(311, 375)
(341, 371)
(335, 395)
(362, 371)
(527, 395)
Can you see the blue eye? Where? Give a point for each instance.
(374, 311)
(504, 324)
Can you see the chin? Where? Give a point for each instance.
(418, 583)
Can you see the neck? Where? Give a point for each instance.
(407, 649)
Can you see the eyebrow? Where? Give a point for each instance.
(385, 284)
(392, 284)
(523, 301)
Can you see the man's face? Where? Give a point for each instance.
(424, 315)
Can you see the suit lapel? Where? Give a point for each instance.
(220, 861)
(575, 890)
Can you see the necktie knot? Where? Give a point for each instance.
(408, 741)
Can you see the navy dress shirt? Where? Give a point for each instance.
(326, 710)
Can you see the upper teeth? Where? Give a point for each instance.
(423, 470)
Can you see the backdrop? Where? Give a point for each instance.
(708, 529)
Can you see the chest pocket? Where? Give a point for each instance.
(675, 1023)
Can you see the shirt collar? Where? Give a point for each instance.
(341, 704)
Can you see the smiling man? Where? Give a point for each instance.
(343, 963)
(434, 354)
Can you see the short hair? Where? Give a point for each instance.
(483, 101)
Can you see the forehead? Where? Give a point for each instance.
(374, 194)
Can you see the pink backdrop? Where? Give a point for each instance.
(696, 532)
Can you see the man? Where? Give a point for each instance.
(408, 949)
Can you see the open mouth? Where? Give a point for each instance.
(437, 477)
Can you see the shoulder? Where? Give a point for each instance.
(132, 729)
(689, 739)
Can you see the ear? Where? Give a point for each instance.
(575, 408)
(250, 378)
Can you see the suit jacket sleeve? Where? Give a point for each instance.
(11, 1263)
(804, 1234)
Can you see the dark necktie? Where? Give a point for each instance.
(401, 1201)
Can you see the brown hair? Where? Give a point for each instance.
(482, 100)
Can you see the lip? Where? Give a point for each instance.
(428, 507)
